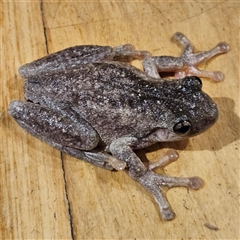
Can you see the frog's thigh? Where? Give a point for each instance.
(53, 127)
(67, 59)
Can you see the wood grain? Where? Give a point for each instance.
(46, 195)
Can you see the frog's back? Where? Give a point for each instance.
(115, 98)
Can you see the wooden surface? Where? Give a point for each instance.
(44, 195)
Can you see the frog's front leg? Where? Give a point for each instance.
(187, 63)
(154, 183)
(64, 132)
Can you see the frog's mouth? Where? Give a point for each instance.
(165, 135)
(160, 135)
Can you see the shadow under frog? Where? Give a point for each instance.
(89, 102)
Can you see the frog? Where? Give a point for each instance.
(90, 102)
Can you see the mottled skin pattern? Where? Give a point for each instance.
(136, 107)
(87, 102)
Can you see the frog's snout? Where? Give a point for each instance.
(210, 118)
(205, 116)
(215, 113)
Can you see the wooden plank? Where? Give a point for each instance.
(33, 201)
(107, 205)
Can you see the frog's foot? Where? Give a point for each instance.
(127, 53)
(187, 63)
(155, 183)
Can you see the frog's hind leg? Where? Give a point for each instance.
(127, 53)
(99, 159)
(187, 63)
(66, 59)
(75, 56)
(68, 134)
(52, 126)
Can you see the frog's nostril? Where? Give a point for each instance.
(192, 83)
(199, 80)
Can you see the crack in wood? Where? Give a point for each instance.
(67, 199)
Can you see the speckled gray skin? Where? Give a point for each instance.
(87, 102)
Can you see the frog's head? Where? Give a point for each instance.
(190, 111)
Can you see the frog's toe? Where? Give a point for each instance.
(169, 157)
(168, 214)
(195, 183)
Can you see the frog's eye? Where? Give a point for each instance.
(182, 127)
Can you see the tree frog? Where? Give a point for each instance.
(90, 102)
